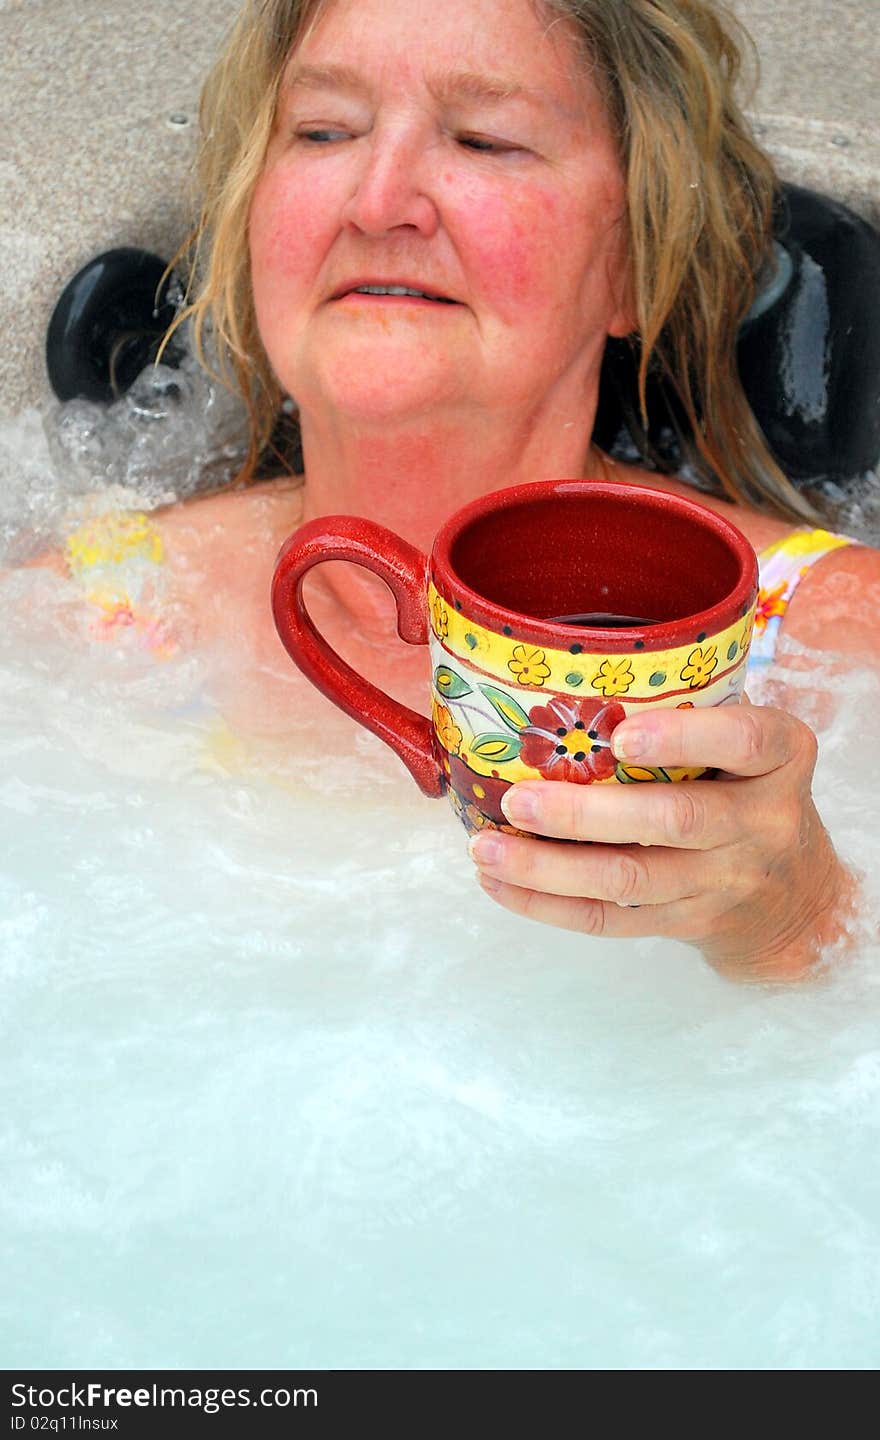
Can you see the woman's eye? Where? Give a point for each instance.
(322, 135)
(484, 146)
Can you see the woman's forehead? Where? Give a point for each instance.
(480, 50)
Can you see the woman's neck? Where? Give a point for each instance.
(412, 477)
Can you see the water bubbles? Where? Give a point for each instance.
(853, 509)
(175, 430)
(174, 433)
(32, 500)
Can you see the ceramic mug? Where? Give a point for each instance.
(552, 610)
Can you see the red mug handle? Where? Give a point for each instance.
(404, 570)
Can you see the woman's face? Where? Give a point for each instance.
(458, 149)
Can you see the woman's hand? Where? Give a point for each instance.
(740, 866)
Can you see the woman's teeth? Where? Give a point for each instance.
(398, 290)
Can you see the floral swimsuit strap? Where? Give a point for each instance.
(781, 567)
(117, 559)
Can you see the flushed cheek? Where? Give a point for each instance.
(522, 247)
(505, 247)
(289, 228)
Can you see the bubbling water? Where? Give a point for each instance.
(173, 434)
(282, 1088)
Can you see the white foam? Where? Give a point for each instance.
(281, 1087)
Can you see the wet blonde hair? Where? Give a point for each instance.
(700, 198)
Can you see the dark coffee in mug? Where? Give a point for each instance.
(602, 620)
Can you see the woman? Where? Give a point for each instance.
(423, 222)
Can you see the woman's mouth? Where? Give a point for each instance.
(394, 292)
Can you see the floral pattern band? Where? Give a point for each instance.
(639, 677)
(505, 709)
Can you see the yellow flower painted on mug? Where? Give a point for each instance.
(527, 665)
(614, 677)
(441, 619)
(448, 732)
(745, 638)
(700, 665)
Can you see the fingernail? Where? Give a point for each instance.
(490, 886)
(520, 806)
(630, 744)
(485, 848)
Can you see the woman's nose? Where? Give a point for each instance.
(393, 188)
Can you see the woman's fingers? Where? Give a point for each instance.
(693, 815)
(676, 815)
(622, 875)
(589, 917)
(749, 740)
(684, 920)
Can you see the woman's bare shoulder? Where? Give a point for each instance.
(219, 551)
(236, 517)
(233, 519)
(836, 606)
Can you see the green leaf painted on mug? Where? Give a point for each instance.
(497, 748)
(450, 684)
(511, 713)
(639, 774)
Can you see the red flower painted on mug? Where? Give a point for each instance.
(569, 739)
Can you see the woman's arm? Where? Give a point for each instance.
(835, 611)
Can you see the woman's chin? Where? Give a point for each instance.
(371, 389)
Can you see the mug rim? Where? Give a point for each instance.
(494, 616)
